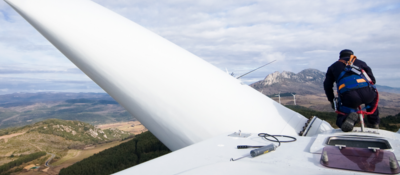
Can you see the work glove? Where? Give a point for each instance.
(332, 105)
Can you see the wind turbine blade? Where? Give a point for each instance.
(119, 55)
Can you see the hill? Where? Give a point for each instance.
(54, 136)
(69, 130)
(21, 109)
(388, 89)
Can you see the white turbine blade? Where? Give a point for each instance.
(139, 69)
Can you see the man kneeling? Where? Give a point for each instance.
(354, 88)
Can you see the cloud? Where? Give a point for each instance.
(12, 85)
(31, 71)
(5, 16)
(237, 35)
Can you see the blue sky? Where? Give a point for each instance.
(234, 35)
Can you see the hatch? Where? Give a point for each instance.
(360, 159)
(359, 142)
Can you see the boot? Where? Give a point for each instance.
(348, 124)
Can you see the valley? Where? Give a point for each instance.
(21, 109)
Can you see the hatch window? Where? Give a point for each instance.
(359, 142)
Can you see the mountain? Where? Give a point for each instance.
(388, 89)
(24, 99)
(308, 81)
(21, 109)
(308, 86)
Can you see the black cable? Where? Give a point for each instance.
(265, 135)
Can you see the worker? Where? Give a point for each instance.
(351, 94)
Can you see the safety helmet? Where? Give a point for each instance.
(345, 52)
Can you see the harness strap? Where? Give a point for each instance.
(348, 63)
(348, 68)
(344, 62)
(351, 60)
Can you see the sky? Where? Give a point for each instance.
(237, 36)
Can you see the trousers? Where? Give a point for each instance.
(355, 98)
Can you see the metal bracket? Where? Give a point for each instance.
(368, 130)
(374, 148)
(240, 134)
(341, 146)
(308, 125)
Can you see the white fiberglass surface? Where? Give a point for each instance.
(213, 157)
(179, 97)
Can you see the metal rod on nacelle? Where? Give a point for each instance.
(254, 70)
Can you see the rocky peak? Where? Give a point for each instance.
(311, 75)
(308, 81)
(277, 77)
(303, 76)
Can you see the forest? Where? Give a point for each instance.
(20, 161)
(142, 148)
(390, 122)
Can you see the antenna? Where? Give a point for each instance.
(294, 98)
(254, 70)
(279, 95)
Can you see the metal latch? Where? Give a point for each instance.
(341, 146)
(374, 148)
(240, 134)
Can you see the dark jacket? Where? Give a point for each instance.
(336, 69)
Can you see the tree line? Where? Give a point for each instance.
(142, 148)
(20, 161)
(390, 123)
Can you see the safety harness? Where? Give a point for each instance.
(358, 79)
